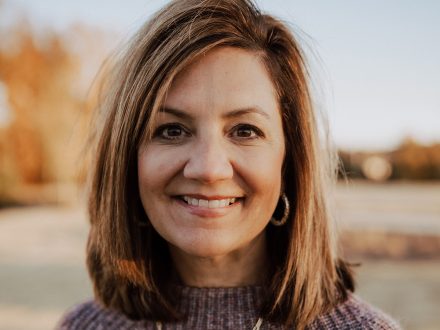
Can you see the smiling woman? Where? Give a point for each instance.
(198, 162)
(208, 200)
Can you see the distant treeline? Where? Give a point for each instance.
(43, 111)
(410, 161)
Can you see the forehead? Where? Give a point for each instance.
(223, 79)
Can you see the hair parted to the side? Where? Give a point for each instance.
(129, 262)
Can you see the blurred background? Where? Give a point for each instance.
(376, 74)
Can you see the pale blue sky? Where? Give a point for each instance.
(378, 68)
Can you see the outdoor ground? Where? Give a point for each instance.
(42, 269)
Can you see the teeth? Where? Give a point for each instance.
(215, 203)
(212, 204)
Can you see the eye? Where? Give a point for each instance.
(171, 131)
(246, 131)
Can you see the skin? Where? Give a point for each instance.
(219, 136)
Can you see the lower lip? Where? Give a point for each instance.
(206, 212)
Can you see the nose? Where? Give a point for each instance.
(209, 161)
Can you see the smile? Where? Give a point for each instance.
(212, 204)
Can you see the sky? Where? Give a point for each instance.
(375, 63)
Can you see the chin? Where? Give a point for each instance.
(207, 248)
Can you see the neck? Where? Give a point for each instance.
(242, 267)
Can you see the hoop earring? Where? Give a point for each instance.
(283, 220)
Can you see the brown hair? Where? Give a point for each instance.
(129, 262)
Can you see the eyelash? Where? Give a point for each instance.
(158, 133)
(258, 133)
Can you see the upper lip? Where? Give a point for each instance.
(209, 198)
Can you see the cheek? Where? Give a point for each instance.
(261, 169)
(146, 168)
(155, 169)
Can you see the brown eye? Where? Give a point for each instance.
(170, 132)
(246, 131)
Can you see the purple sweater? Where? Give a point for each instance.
(225, 308)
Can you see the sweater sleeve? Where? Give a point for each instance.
(83, 316)
(355, 314)
(91, 315)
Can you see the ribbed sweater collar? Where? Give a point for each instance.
(233, 298)
(220, 306)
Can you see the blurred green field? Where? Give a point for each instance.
(42, 252)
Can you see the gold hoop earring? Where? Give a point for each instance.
(283, 220)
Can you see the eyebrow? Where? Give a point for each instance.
(231, 114)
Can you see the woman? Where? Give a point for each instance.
(208, 201)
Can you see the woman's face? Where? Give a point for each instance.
(210, 178)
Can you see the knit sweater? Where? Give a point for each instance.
(225, 308)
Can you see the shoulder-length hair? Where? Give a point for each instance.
(128, 261)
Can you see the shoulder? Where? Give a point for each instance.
(355, 313)
(91, 315)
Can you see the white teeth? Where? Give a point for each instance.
(223, 202)
(212, 204)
